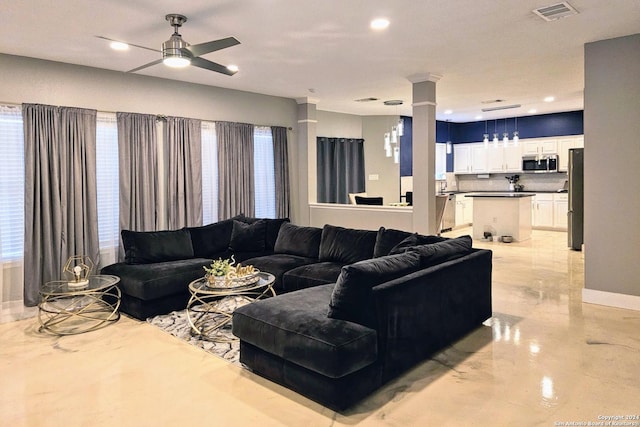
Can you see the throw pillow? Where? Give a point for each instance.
(296, 240)
(146, 247)
(387, 239)
(352, 297)
(346, 245)
(415, 240)
(248, 237)
(211, 240)
(440, 252)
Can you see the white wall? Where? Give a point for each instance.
(612, 156)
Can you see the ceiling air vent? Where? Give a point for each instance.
(369, 99)
(502, 107)
(555, 11)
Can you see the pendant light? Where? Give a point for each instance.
(485, 136)
(505, 135)
(448, 137)
(516, 137)
(495, 134)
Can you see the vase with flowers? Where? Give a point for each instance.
(216, 273)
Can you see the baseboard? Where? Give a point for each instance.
(611, 299)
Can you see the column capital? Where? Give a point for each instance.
(307, 100)
(424, 77)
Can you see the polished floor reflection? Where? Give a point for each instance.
(544, 358)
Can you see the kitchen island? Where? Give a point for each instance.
(502, 214)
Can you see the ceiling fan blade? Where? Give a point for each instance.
(130, 44)
(157, 61)
(212, 46)
(208, 65)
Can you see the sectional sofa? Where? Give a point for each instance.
(354, 308)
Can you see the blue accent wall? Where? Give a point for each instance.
(540, 126)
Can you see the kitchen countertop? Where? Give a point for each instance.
(501, 195)
(531, 192)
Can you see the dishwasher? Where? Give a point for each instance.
(449, 216)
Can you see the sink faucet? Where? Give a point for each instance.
(443, 186)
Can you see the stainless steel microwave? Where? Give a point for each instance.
(540, 164)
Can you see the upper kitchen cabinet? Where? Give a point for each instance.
(564, 145)
(469, 158)
(537, 146)
(504, 159)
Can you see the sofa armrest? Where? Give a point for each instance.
(423, 312)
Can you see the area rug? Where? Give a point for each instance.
(176, 324)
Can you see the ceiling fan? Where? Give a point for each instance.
(178, 53)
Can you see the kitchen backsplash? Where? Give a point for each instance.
(497, 182)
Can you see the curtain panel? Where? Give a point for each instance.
(281, 169)
(184, 182)
(340, 163)
(138, 172)
(60, 192)
(235, 169)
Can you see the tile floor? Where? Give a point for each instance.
(544, 359)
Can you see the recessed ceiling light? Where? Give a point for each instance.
(549, 99)
(532, 111)
(232, 67)
(119, 46)
(379, 23)
(478, 117)
(448, 111)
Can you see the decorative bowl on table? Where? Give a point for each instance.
(234, 275)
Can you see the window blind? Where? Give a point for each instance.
(209, 173)
(107, 181)
(11, 184)
(264, 173)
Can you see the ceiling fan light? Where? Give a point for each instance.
(176, 61)
(119, 45)
(232, 67)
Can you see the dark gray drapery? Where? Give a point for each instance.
(60, 192)
(235, 169)
(138, 169)
(281, 166)
(340, 163)
(184, 182)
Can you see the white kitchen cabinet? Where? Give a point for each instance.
(441, 161)
(464, 210)
(560, 210)
(504, 159)
(542, 210)
(538, 146)
(469, 158)
(564, 145)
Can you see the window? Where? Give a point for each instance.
(264, 173)
(107, 182)
(209, 173)
(11, 184)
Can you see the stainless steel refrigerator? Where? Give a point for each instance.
(576, 198)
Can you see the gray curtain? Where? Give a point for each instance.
(184, 182)
(281, 166)
(340, 163)
(235, 169)
(60, 192)
(138, 166)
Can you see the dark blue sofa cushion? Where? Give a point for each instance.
(271, 231)
(297, 240)
(352, 298)
(151, 281)
(446, 250)
(210, 240)
(248, 237)
(414, 239)
(346, 245)
(278, 264)
(295, 327)
(145, 247)
(310, 275)
(387, 239)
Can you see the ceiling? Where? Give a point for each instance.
(483, 49)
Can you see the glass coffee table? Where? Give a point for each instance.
(210, 308)
(69, 310)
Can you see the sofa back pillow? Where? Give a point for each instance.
(272, 230)
(297, 240)
(437, 253)
(248, 237)
(415, 240)
(146, 247)
(352, 297)
(346, 245)
(387, 239)
(211, 240)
